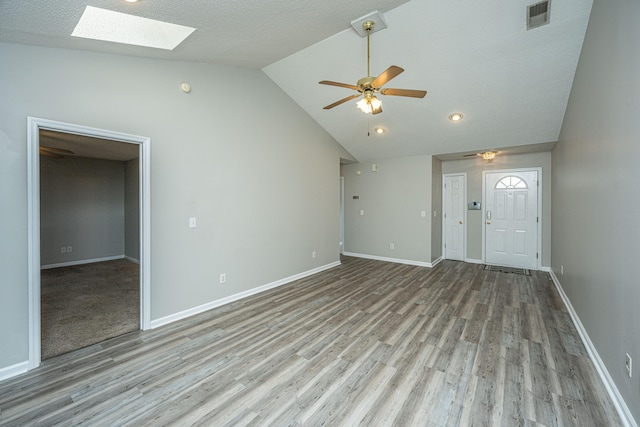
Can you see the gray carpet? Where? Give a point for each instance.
(86, 304)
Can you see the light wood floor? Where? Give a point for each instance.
(367, 343)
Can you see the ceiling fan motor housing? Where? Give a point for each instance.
(365, 83)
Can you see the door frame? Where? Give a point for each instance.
(539, 209)
(444, 206)
(34, 125)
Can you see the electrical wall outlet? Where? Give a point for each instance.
(392, 246)
(63, 249)
(628, 364)
(313, 254)
(69, 249)
(223, 278)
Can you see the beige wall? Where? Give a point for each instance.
(596, 232)
(474, 167)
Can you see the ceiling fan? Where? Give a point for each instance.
(369, 86)
(56, 153)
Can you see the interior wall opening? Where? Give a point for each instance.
(89, 240)
(89, 209)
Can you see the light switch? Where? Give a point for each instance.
(423, 214)
(361, 211)
(192, 222)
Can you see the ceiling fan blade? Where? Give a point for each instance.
(330, 83)
(404, 92)
(55, 150)
(342, 101)
(48, 154)
(386, 75)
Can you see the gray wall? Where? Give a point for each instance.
(262, 181)
(392, 199)
(436, 208)
(132, 209)
(596, 232)
(82, 206)
(474, 167)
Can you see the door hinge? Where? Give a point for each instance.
(536, 255)
(537, 219)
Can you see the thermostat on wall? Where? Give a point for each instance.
(474, 206)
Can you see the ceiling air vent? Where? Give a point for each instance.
(538, 14)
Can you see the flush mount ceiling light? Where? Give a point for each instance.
(489, 155)
(379, 130)
(455, 117)
(107, 25)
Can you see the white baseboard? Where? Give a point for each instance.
(217, 303)
(545, 269)
(80, 262)
(133, 260)
(609, 384)
(436, 261)
(396, 260)
(473, 261)
(13, 370)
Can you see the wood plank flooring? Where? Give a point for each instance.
(366, 343)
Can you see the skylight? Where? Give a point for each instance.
(107, 25)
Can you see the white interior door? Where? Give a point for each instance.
(511, 218)
(454, 217)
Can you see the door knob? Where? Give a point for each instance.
(488, 222)
(460, 222)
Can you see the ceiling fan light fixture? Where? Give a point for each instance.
(369, 104)
(455, 117)
(489, 155)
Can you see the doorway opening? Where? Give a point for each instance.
(82, 249)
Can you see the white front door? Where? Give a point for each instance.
(454, 217)
(511, 218)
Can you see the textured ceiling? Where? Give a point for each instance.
(476, 58)
(251, 33)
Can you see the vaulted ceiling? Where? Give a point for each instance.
(474, 58)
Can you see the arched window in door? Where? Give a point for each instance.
(510, 182)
